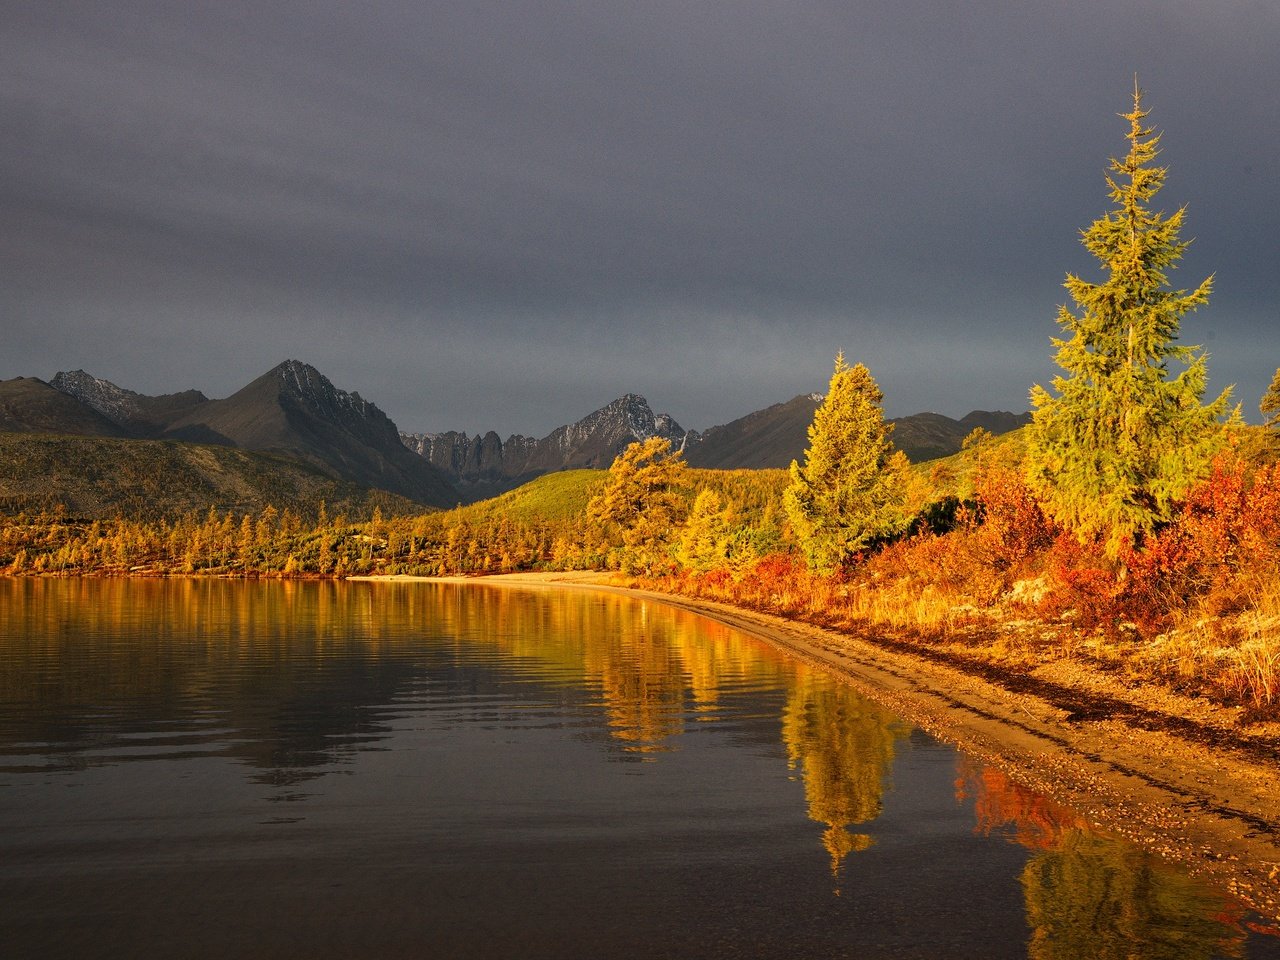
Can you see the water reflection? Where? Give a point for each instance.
(292, 685)
(1089, 896)
(845, 746)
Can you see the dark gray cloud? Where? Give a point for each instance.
(506, 214)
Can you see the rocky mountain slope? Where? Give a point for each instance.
(484, 466)
(134, 413)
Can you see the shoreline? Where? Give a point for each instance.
(1174, 782)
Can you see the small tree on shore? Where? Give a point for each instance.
(852, 489)
(1123, 439)
(641, 498)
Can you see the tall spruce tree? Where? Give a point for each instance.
(1125, 436)
(852, 489)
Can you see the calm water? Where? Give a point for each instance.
(212, 769)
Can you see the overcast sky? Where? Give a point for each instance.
(502, 215)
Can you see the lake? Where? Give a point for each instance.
(199, 768)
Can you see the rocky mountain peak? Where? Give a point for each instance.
(115, 403)
(308, 385)
(138, 413)
(628, 416)
(484, 466)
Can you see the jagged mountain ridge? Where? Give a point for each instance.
(485, 465)
(296, 411)
(135, 413)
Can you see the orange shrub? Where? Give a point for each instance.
(1013, 525)
(1221, 546)
(1081, 582)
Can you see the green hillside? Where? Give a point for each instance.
(550, 497)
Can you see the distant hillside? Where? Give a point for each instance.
(776, 435)
(29, 405)
(771, 437)
(564, 495)
(928, 436)
(292, 410)
(99, 478)
(551, 497)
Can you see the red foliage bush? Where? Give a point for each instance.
(1013, 525)
(1081, 581)
(1225, 539)
(717, 580)
(773, 569)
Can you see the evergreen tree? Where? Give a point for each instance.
(641, 498)
(1124, 438)
(705, 539)
(852, 490)
(1270, 405)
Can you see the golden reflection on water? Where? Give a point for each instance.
(652, 670)
(845, 746)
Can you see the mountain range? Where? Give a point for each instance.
(482, 466)
(294, 411)
(291, 410)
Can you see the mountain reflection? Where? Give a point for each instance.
(1090, 896)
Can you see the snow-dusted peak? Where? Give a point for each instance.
(115, 403)
(629, 415)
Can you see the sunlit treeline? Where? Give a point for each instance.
(1198, 604)
(276, 544)
(483, 538)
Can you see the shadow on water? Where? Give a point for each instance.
(429, 751)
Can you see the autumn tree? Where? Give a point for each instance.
(1270, 405)
(1123, 436)
(641, 498)
(705, 539)
(852, 490)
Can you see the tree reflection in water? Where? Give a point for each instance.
(844, 745)
(1091, 896)
(293, 683)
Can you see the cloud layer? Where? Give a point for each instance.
(503, 215)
